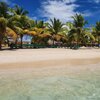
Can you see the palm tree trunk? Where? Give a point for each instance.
(77, 44)
(8, 42)
(21, 41)
(98, 41)
(53, 40)
(0, 45)
(16, 43)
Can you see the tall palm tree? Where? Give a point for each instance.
(79, 21)
(55, 26)
(24, 23)
(76, 34)
(96, 32)
(20, 21)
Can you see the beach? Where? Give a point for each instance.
(50, 74)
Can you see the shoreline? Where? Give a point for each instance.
(48, 57)
(48, 63)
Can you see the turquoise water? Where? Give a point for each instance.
(81, 85)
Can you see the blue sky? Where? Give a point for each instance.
(62, 9)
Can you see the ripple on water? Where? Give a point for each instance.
(85, 86)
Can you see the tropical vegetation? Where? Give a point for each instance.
(15, 25)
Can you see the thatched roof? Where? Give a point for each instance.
(45, 35)
(33, 33)
(11, 33)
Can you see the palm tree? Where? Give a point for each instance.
(20, 21)
(69, 25)
(3, 24)
(76, 34)
(19, 24)
(97, 30)
(79, 21)
(4, 10)
(18, 11)
(55, 27)
(39, 24)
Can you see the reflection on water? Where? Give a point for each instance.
(85, 86)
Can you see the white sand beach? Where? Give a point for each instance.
(49, 74)
(28, 56)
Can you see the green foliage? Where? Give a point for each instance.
(39, 24)
(97, 27)
(55, 26)
(3, 10)
(96, 32)
(18, 10)
(78, 34)
(69, 25)
(3, 24)
(79, 21)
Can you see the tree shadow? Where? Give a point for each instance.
(8, 49)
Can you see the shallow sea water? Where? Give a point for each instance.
(84, 85)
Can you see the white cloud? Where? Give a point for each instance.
(34, 17)
(61, 9)
(87, 13)
(7, 1)
(96, 1)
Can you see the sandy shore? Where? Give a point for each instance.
(48, 57)
(50, 74)
(51, 61)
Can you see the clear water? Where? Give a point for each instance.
(68, 85)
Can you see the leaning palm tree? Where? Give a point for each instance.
(6, 31)
(55, 27)
(3, 24)
(19, 23)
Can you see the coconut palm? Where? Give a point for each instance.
(97, 30)
(19, 23)
(4, 10)
(55, 27)
(39, 24)
(77, 33)
(79, 21)
(19, 20)
(3, 24)
(69, 25)
(6, 31)
(18, 11)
